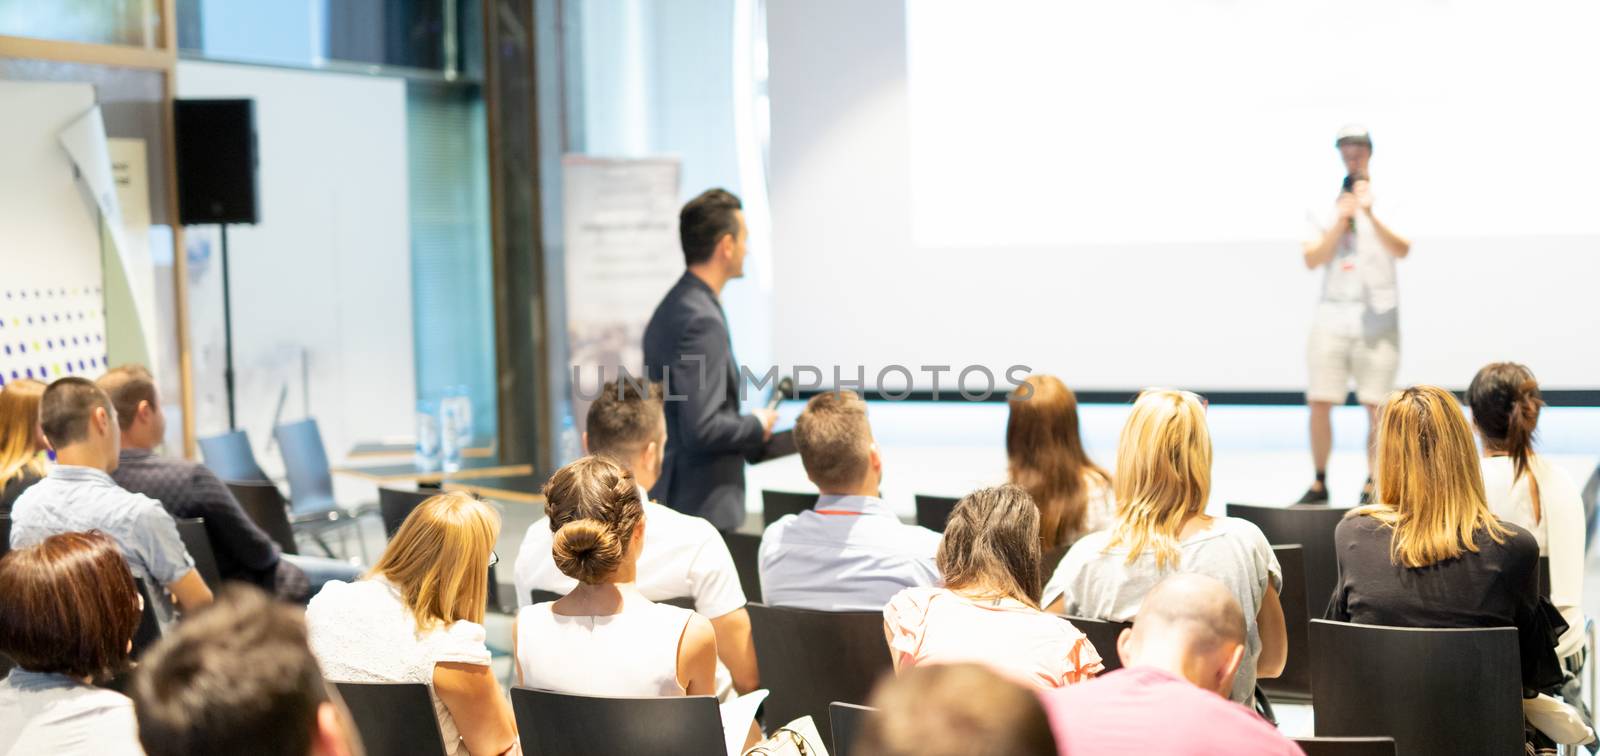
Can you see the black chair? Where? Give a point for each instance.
(1102, 634)
(230, 457)
(746, 552)
(1311, 526)
(540, 597)
(1435, 691)
(1052, 559)
(1346, 746)
(5, 534)
(810, 659)
(266, 507)
(192, 531)
(311, 501)
(775, 504)
(1295, 682)
(846, 719)
(394, 719)
(560, 724)
(395, 504)
(149, 629)
(934, 511)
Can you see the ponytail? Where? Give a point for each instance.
(1505, 404)
(1521, 421)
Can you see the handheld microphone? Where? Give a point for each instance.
(784, 390)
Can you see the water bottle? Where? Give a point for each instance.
(450, 435)
(427, 436)
(464, 429)
(571, 446)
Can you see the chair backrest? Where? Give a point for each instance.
(1311, 526)
(1295, 682)
(809, 659)
(1435, 691)
(1346, 746)
(394, 719)
(149, 629)
(230, 457)
(266, 507)
(1102, 634)
(775, 504)
(395, 505)
(192, 530)
(306, 463)
(561, 724)
(746, 552)
(847, 719)
(540, 597)
(934, 511)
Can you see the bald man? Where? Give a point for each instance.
(1171, 696)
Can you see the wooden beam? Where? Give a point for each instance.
(126, 56)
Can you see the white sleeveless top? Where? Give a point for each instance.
(633, 653)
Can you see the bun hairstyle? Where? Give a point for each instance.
(593, 506)
(1505, 405)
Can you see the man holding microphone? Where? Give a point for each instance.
(687, 346)
(1355, 335)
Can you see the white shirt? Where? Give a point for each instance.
(632, 653)
(848, 553)
(683, 556)
(363, 632)
(1360, 293)
(49, 713)
(1560, 531)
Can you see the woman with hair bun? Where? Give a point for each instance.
(1522, 488)
(605, 638)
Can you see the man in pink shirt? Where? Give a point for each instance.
(1170, 697)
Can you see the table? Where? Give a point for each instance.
(523, 489)
(477, 467)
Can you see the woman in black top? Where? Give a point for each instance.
(1429, 553)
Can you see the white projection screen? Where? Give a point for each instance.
(1116, 192)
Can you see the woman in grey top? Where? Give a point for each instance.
(1163, 480)
(68, 611)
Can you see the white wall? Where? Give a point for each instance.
(326, 274)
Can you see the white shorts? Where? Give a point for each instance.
(1334, 357)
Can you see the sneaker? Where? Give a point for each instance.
(1367, 492)
(1314, 495)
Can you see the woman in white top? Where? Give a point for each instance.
(1522, 488)
(988, 610)
(1163, 481)
(417, 617)
(1045, 455)
(68, 611)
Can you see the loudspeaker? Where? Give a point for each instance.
(216, 161)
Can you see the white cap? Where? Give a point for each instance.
(1353, 133)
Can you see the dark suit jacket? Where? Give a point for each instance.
(707, 439)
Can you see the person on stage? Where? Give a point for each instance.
(1356, 332)
(686, 346)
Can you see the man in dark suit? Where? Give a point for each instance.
(686, 346)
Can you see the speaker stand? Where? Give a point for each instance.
(227, 330)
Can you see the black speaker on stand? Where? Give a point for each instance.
(216, 157)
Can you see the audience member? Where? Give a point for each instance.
(954, 710)
(1179, 663)
(684, 555)
(1429, 553)
(1047, 458)
(238, 677)
(68, 611)
(79, 495)
(22, 444)
(1522, 488)
(988, 610)
(850, 552)
(1163, 481)
(189, 489)
(418, 617)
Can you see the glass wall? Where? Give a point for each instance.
(111, 22)
(425, 35)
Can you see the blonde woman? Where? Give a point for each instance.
(988, 609)
(1045, 456)
(22, 444)
(1429, 553)
(1163, 481)
(418, 617)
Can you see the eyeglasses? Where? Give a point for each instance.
(494, 558)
